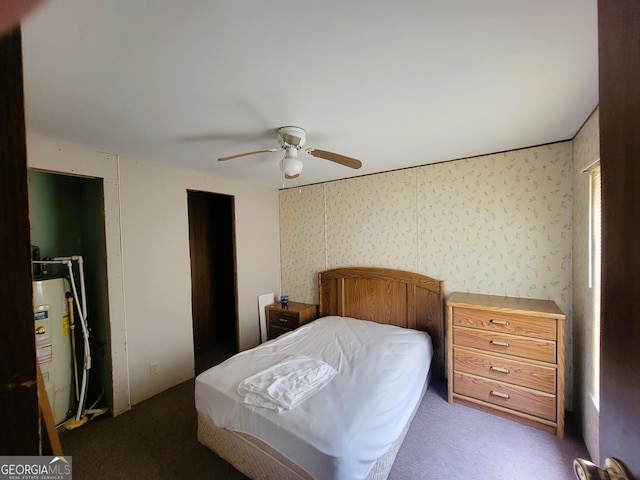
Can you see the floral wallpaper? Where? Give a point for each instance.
(500, 224)
(496, 224)
(586, 150)
(371, 221)
(302, 241)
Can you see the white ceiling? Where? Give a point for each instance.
(394, 84)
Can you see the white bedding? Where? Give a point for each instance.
(341, 430)
(285, 385)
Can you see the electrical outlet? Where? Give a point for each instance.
(153, 369)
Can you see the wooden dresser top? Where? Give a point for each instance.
(523, 306)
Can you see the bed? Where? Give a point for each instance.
(388, 327)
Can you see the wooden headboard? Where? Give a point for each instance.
(384, 295)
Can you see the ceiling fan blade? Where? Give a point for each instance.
(334, 157)
(222, 159)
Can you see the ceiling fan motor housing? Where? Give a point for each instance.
(292, 137)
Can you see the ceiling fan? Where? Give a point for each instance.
(292, 139)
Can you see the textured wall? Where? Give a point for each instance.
(586, 149)
(497, 224)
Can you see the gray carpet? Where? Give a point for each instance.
(453, 442)
(157, 440)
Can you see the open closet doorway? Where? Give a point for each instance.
(67, 219)
(213, 277)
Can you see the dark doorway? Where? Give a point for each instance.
(213, 277)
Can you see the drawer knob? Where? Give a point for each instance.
(283, 320)
(499, 322)
(499, 344)
(499, 394)
(498, 369)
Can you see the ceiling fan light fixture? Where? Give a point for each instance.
(290, 166)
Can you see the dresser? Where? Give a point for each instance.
(506, 357)
(284, 319)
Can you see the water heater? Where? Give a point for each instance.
(53, 343)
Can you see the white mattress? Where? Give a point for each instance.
(342, 430)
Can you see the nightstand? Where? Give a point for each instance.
(282, 320)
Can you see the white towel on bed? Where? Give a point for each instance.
(286, 384)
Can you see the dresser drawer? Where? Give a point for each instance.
(525, 347)
(532, 402)
(529, 326)
(505, 369)
(288, 320)
(275, 331)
